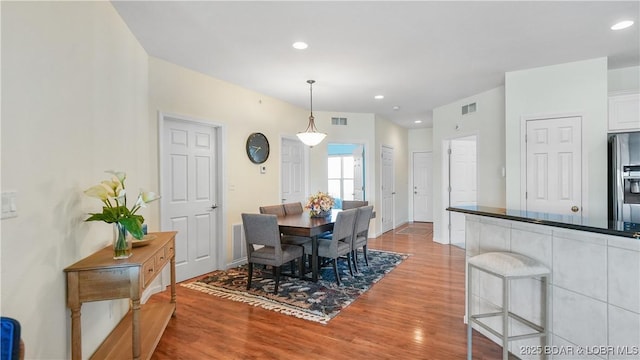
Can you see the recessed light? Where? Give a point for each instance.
(379, 97)
(418, 122)
(396, 108)
(622, 25)
(300, 45)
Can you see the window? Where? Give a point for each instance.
(340, 176)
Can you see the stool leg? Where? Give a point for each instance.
(505, 319)
(545, 310)
(469, 323)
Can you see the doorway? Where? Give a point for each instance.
(461, 183)
(422, 187)
(346, 172)
(387, 187)
(553, 176)
(292, 178)
(190, 184)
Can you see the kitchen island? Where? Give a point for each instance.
(595, 280)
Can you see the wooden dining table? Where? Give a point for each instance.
(305, 225)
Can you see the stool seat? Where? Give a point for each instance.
(508, 267)
(509, 264)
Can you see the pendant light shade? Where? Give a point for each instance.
(311, 136)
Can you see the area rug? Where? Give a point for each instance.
(319, 302)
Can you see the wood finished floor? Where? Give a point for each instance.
(414, 312)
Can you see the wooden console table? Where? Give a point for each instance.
(100, 277)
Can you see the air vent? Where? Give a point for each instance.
(469, 108)
(338, 121)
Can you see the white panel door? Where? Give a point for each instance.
(422, 188)
(189, 195)
(358, 173)
(462, 184)
(292, 173)
(387, 191)
(554, 166)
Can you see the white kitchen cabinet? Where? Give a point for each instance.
(624, 112)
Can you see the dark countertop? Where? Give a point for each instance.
(617, 228)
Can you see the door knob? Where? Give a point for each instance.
(575, 209)
(213, 207)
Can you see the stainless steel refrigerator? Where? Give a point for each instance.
(624, 177)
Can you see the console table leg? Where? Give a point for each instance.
(135, 331)
(76, 334)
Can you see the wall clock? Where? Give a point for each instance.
(257, 148)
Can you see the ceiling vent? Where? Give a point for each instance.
(338, 121)
(469, 108)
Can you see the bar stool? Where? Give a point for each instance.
(507, 266)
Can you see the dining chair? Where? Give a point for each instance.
(352, 204)
(293, 208)
(361, 234)
(340, 242)
(262, 229)
(273, 209)
(282, 210)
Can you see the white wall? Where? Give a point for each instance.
(624, 79)
(572, 88)
(74, 103)
(488, 124)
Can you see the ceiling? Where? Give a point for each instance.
(420, 54)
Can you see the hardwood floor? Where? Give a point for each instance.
(415, 312)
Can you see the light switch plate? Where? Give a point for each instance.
(9, 207)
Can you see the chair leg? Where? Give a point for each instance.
(354, 257)
(301, 266)
(335, 271)
(250, 275)
(366, 258)
(276, 273)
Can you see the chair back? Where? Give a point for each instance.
(351, 204)
(293, 208)
(277, 210)
(362, 221)
(343, 228)
(262, 229)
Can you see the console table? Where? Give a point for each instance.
(100, 277)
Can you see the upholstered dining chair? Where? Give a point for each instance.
(273, 209)
(352, 204)
(361, 234)
(293, 208)
(262, 229)
(287, 209)
(340, 242)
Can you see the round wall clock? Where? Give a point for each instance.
(257, 148)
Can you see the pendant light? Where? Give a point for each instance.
(311, 137)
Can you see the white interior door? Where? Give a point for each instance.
(462, 184)
(387, 189)
(292, 177)
(554, 165)
(358, 173)
(422, 188)
(189, 194)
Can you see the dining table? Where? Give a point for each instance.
(312, 227)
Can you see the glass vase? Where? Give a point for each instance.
(122, 242)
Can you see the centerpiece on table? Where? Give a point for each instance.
(320, 204)
(126, 223)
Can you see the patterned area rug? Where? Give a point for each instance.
(319, 302)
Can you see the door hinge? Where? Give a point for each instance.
(449, 226)
(525, 137)
(449, 151)
(526, 195)
(449, 188)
